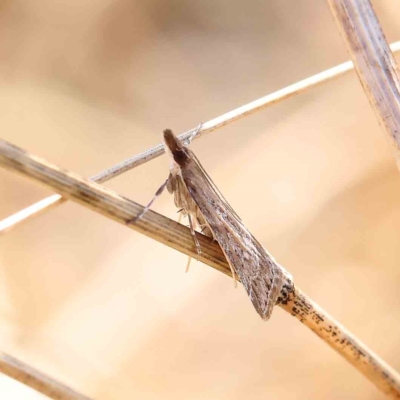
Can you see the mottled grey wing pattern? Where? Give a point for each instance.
(258, 272)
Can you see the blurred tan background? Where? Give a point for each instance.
(87, 84)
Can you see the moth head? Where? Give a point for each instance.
(175, 147)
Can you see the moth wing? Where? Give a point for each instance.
(205, 229)
(260, 275)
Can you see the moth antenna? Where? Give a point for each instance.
(147, 208)
(188, 264)
(192, 231)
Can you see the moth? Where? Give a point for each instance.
(196, 196)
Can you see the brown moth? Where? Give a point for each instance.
(197, 197)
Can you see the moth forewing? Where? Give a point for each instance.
(261, 276)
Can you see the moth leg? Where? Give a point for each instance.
(206, 231)
(188, 264)
(194, 134)
(233, 275)
(180, 215)
(158, 193)
(192, 231)
(213, 239)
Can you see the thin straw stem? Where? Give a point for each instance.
(346, 344)
(177, 236)
(374, 63)
(150, 154)
(36, 380)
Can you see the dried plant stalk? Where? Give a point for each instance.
(374, 62)
(340, 339)
(148, 155)
(29, 376)
(108, 203)
(177, 236)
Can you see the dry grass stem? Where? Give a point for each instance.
(308, 83)
(374, 63)
(340, 339)
(177, 236)
(36, 380)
